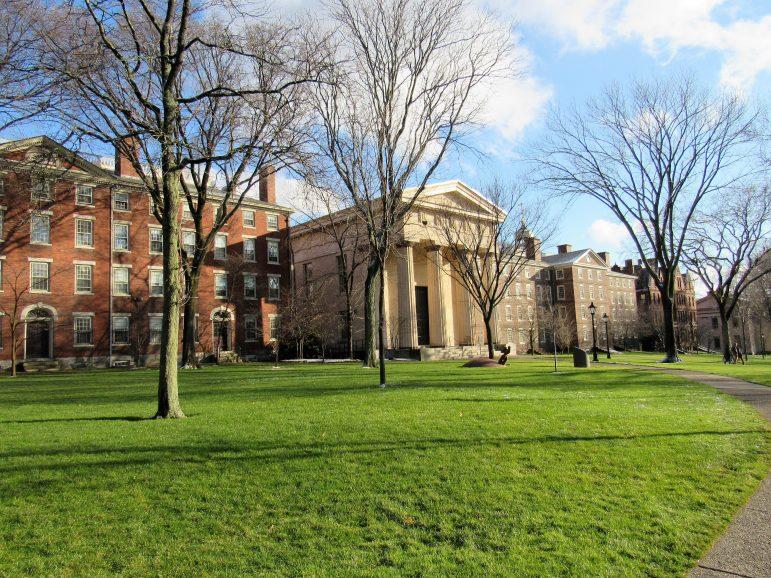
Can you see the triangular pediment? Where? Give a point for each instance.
(457, 197)
(45, 153)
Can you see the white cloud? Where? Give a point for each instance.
(607, 235)
(515, 103)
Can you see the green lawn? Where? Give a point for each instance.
(310, 470)
(756, 369)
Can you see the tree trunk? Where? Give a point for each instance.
(370, 313)
(189, 358)
(725, 335)
(489, 334)
(670, 345)
(14, 346)
(349, 323)
(168, 388)
(381, 325)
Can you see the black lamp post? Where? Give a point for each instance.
(605, 318)
(592, 311)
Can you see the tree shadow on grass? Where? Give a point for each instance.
(73, 419)
(266, 453)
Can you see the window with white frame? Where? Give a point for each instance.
(509, 335)
(120, 280)
(599, 276)
(581, 292)
(120, 201)
(250, 286)
(155, 325)
(583, 313)
(580, 272)
(274, 287)
(561, 292)
(519, 312)
(273, 326)
(248, 216)
(40, 276)
(156, 240)
(187, 215)
(507, 291)
(218, 210)
(41, 190)
(529, 291)
(586, 334)
(508, 313)
(273, 252)
(40, 229)
(530, 312)
(546, 275)
(250, 328)
(521, 336)
(221, 247)
(188, 242)
(84, 329)
(558, 274)
(84, 278)
(537, 273)
(221, 285)
(591, 293)
(84, 233)
(250, 249)
(518, 290)
(120, 329)
(590, 275)
(155, 279)
(84, 195)
(120, 237)
(601, 292)
(272, 222)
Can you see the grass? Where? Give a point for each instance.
(611, 471)
(756, 369)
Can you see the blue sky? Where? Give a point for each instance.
(572, 49)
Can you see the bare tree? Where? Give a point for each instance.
(404, 90)
(127, 67)
(488, 250)
(727, 248)
(345, 228)
(652, 154)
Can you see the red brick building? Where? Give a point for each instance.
(81, 263)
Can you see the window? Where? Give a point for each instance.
(539, 293)
(120, 280)
(84, 277)
(527, 272)
(529, 291)
(590, 275)
(273, 321)
(156, 240)
(546, 274)
(586, 334)
(250, 249)
(522, 336)
(188, 242)
(40, 229)
(558, 274)
(581, 291)
(342, 277)
(583, 313)
(580, 272)
(39, 271)
(599, 276)
(509, 335)
(120, 330)
(272, 222)
(591, 293)
(221, 247)
(274, 287)
(537, 273)
(273, 251)
(518, 290)
(248, 217)
(41, 190)
(156, 327)
(561, 292)
(519, 313)
(217, 211)
(84, 329)
(250, 286)
(221, 285)
(508, 313)
(84, 233)
(307, 272)
(716, 343)
(84, 195)
(601, 292)
(714, 323)
(187, 215)
(507, 291)
(250, 328)
(120, 201)
(120, 237)
(155, 279)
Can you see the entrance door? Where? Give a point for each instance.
(39, 339)
(222, 334)
(421, 313)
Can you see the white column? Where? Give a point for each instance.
(408, 324)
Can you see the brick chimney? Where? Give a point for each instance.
(605, 256)
(629, 267)
(561, 249)
(123, 166)
(533, 248)
(267, 184)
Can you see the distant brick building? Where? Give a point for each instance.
(81, 263)
(651, 310)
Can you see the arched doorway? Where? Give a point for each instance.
(222, 330)
(40, 334)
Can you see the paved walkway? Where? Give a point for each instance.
(745, 548)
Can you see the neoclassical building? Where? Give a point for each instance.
(430, 312)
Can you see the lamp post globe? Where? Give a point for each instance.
(592, 311)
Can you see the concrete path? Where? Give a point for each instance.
(745, 548)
